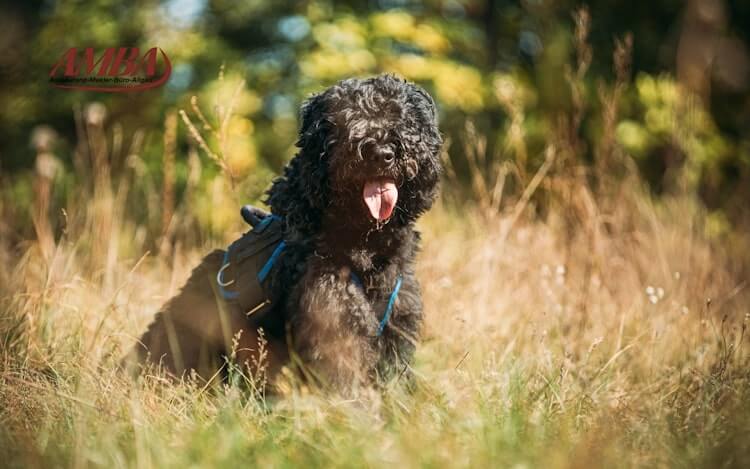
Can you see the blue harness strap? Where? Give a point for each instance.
(271, 261)
(391, 300)
(389, 308)
(266, 221)
(230, 295)
(266, 269)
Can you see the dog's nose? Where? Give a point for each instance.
(380, 153)
(386, 154)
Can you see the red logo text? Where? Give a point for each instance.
(116, 70)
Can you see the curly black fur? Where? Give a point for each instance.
(329, 231)
(328, 321)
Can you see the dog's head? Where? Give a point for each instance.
(369, 153)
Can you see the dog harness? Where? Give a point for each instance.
(241, 278)
(251, 259)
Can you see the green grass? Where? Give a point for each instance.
(539, 350)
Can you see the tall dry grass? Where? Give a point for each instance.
(575, 322)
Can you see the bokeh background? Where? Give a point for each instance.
(585, 269)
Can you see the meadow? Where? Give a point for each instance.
(608, 333)
(574, 316)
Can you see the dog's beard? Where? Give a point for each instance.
(380, 196)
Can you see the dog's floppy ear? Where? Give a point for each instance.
(311, 114)
(302, 193)
(312, 176)
(422, 142)
(432, 107)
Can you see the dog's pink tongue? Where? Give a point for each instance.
(380, 197)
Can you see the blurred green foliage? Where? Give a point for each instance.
(501, 65)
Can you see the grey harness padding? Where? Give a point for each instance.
(242, 279)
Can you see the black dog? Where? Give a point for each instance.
(346, 302)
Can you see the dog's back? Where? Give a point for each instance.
(196, 330)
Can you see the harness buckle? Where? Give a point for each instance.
(220, 276)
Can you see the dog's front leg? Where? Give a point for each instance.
(333, 327)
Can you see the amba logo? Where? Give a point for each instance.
(117, 70)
